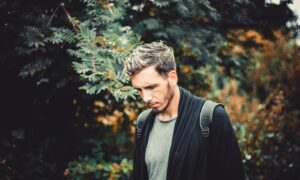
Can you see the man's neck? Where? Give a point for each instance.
(172, 110)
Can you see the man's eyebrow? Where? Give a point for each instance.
(148, 86)
(136, 88)
(151, 85)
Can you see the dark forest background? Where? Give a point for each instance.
(68, 112)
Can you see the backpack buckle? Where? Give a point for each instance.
(205, 132)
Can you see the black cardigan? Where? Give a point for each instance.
(191, 155)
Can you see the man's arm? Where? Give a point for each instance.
(226, 155)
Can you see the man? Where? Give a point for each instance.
(172, 146)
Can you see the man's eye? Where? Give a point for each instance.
(151, 87)
(139, 91)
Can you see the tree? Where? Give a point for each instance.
(57, 47)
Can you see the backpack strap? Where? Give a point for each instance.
(206, 116)
(141, 120)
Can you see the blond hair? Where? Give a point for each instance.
(155, 54)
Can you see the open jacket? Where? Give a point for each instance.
(191, 156)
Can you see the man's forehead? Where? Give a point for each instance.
(146, 77)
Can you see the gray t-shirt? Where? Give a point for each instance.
(158, 148)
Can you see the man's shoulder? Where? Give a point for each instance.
(221, 120)
(142, 118)
(144, 114)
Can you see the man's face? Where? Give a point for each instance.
(153, 88)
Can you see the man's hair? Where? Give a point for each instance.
(155, 54)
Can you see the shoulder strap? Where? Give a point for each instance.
(206, 116)
(141, 122)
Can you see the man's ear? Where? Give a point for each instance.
(172, 77)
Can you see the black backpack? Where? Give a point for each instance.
(205, 118)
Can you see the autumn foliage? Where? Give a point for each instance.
(266, 124)
(69, 112)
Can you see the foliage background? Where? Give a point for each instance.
(68, 112)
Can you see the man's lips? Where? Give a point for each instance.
(153, 104)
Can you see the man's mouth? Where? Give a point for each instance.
(153, 105)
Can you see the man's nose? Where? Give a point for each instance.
(147, 96)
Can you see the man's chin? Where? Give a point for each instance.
(158, 110)
(155, 110)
